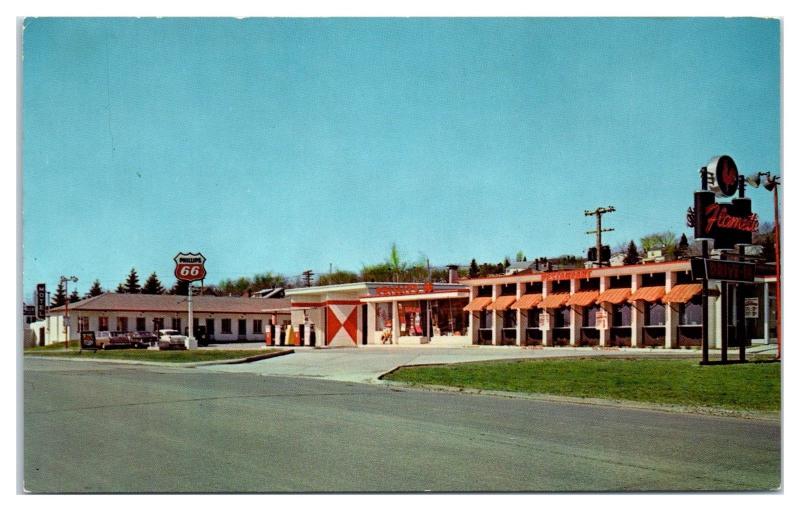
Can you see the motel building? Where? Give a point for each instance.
(643, 305)
(226, 319)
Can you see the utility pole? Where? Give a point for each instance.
(599, 212)
(307, 277)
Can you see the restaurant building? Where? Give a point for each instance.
(379, 313)
(225, 318)
(642, 305)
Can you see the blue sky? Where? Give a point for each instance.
(288, 144)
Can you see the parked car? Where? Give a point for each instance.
(108, 340)
(169, 339)
(143, 339)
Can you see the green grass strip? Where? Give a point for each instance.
(753, 386)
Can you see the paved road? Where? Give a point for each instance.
(366, 363)
(113, 428)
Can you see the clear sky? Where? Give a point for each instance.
(290, 144)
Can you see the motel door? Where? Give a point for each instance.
(210, 328)
(242, 328)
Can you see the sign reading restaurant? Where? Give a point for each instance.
(566, 275)
(404, 289)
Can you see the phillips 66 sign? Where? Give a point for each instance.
(190, 267)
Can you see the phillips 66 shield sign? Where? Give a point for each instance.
(190, 267)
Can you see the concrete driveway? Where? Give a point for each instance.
(367, 363)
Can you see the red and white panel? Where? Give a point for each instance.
(342, 328)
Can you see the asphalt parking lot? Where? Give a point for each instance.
(365, 364)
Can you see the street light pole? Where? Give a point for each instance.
(777, 236)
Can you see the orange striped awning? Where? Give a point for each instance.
(527, 302)
(614, 296)
(583, 298)
(554, 301)
(501, 303)
(648, 294)
(682, 293)
(478, 304)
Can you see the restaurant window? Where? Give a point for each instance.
(225, 326)
(122, 324)
(83, 323)
(691, 312)
(410, 318)
(176, 324)
(383, 315)
(140, 325)
(257, 326)
(622, 314)
(448, 316)
(590, 315)
(562, 317)
(654, 314)
(158, 324)
(102, 324)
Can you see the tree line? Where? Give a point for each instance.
(395, 268)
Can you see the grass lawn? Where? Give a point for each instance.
(145, 355)
(754, 386)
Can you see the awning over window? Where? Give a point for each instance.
(554, 301)
(648, 294)
(614, 296)
(501, 303)
(682, 293)
(527, 302)
(583, 298)
(478, 304)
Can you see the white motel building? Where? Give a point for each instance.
(226, 319)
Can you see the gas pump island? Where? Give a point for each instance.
(190, 267)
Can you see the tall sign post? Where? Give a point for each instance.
(728, 226)
(190, 267)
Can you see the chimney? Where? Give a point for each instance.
(452, 273)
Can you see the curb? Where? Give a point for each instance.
(178, 365)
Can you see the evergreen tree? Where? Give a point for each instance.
(95, 290)
(474, 271)
(132, 282)
(121, 289)
(180, 288)
(153, 286)
(506, 263)
(632, 256)
(74, 297)
(60, 298)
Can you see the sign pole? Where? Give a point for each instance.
(704, 342)
(191, 319)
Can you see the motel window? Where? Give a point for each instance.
(83, 323)
(102, 323)
(509, 318)
(621, 314)
(533, 318)
(590, 316)
(141, 325)
(654, 314)
(562, 317)
(158, 324)
(533, 288)
(225, 327)
(691, 313)
(485, 319)
(122, 324)
(257, 326)
(176, 324)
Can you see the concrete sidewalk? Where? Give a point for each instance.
(367, 363)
